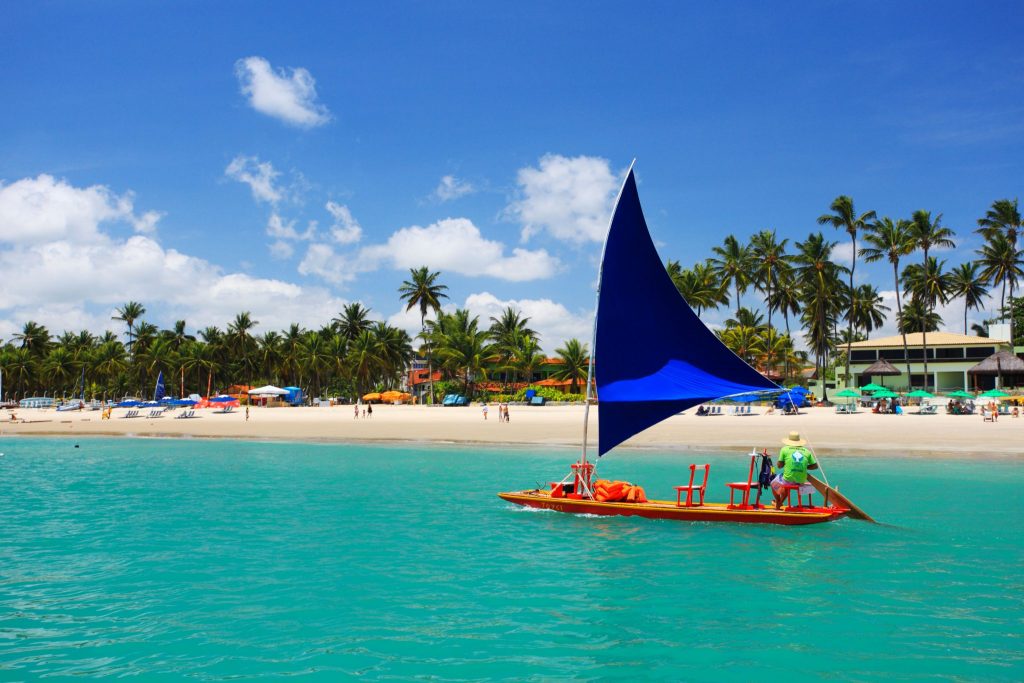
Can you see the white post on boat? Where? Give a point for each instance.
(597, 300)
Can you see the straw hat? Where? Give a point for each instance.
(794, 440)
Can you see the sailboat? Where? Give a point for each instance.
(655, 358)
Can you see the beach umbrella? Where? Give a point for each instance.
(222, 399)
(848, 393)
(994, 393)
(871, 388)
(885, 393)
(920, 393)
(392, 396)
(372, 396)
(960, 394)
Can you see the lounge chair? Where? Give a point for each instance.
(927, 410)
(185, 414)
(130, 414)
(156, 413)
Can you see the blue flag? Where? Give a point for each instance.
(160, 390)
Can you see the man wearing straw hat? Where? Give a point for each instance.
(794, 462)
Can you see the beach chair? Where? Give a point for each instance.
(928, 410)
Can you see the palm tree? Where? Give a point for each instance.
(769, 257)
(964, 281)
(575, 360)
(19, 364)
(238, 333)
(745, 318)
(59, 368)
(108, 361)
(177, 335)
(818, 276)
(1003, 219)
(843, 217)
(743, 340)
(128, 314)
(733, 265)
(917, 318)
(700, 286)
(509, 332)
(422, 290)
(927, 234)
(891, 240)
(1001, 264)
(866, 309)
(353, 321)
(35, 338)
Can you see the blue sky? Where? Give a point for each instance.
(287, 158)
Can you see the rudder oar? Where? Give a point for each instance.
(839, 499)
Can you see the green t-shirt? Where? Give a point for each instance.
(795, 461)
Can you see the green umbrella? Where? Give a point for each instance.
(871, 387)
(885, 393)
(848, 393)
(994, 393)
(960, 394)
(920, 393)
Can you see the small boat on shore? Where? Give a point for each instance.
(682, 364)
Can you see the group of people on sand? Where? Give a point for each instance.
(367, 410)
(888, 407)
(502, 411)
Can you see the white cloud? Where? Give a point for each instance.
(843, 253)
(451, 187)
(570, 198)
(285, 230)
(456, 245)
(322, 261)
(281, 250)
(259, 176)
(552, 321)
(70, 272)
(285, 94)
(34, 210)
(345, 229)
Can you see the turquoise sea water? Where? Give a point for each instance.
(164, 559)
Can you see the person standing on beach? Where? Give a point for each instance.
(369, 410)
(356, 416)
(246, 412)
(485, 411)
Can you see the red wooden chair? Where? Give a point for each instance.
(699, 488)
(745, 486)
(789, 489)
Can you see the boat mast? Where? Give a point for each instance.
(597, 300)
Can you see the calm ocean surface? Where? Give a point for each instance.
(211, 560)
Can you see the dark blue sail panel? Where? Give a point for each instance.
(653, 355)
(159, 391)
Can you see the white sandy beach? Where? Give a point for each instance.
(860, 434)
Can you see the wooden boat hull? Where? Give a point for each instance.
(667, 509)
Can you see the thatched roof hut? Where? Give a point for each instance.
(881, 368)
(998, 363)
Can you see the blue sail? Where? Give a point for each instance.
(160, 390)
(653, 357)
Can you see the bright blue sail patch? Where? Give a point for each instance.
(653, 355)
